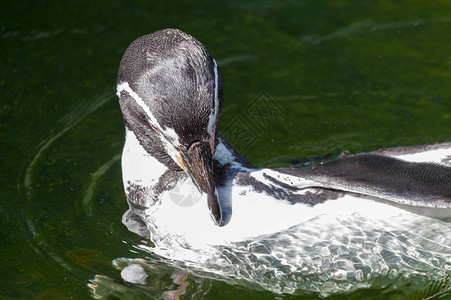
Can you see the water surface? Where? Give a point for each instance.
(346, 76)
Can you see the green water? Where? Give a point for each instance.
(347, 76)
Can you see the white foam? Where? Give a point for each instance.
(134, 273)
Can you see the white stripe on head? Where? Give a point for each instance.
(214, 112)
(168, 132)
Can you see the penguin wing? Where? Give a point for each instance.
(419, 176)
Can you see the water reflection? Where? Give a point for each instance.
(148, 278)
(352, 253)
(62, 195)
(325, 256)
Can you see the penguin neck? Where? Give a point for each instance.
(151, 143)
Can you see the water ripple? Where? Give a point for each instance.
(328, 256)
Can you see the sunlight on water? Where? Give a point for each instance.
(326, 255)
(348, 76)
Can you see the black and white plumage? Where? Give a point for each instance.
(170, 92)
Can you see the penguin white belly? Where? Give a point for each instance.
(253, 215)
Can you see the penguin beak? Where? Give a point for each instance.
(197, 162)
